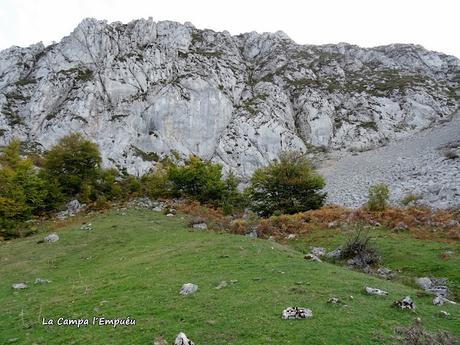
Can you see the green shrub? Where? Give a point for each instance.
(101, 203)
(198, 180)
(22, 191)
(233, 201)
(378, 197)
(156, 184)
(409, 199)
(73, 162)
(288, 185)
(130, 185)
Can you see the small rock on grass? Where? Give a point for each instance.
(42, 281)
(334, 300)
(335, 254)
(405, 303)
(188, 289)
(385, 273)
(53, 237)
(221, 285)
(444, 313)
(252, 234)
(424, 283)
(375, 291)
(440, 300)
(87, 227)
(200, 226)
(19, 286)
(312, 257)
(182, 339)
(318, 251)
(296, 313)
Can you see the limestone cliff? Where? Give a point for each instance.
(145, 89)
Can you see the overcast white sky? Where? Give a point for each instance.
(433, 24)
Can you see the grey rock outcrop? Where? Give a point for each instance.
(435, 286)
(146, 90)
(335, 254)
(423, 282)
(72, 207)
(318, 251)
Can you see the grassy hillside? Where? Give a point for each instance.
(134, 262)
(401, 252)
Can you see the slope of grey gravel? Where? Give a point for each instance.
(414, 165)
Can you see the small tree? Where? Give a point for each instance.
(288, 185)
(73, 162)
(378, 197)
(22, 191)
(198, 180)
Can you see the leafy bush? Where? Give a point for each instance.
(22, 191)
(202, 181)
(378, 197)
(73, 162)
(288, 185)
(156, 184)
(130, 185)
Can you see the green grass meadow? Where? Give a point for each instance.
(134, 263)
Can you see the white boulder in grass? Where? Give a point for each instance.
(375, 291)
(19, 286)
(405, 303)
(182, 339)
(296, 313)
(53, 237)
(188, 289)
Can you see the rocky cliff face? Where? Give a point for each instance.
(144, 90)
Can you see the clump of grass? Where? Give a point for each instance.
(378, 197)
(416, 335)
(359, 249)
(409, 199)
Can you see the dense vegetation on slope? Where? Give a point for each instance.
(72, 169)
